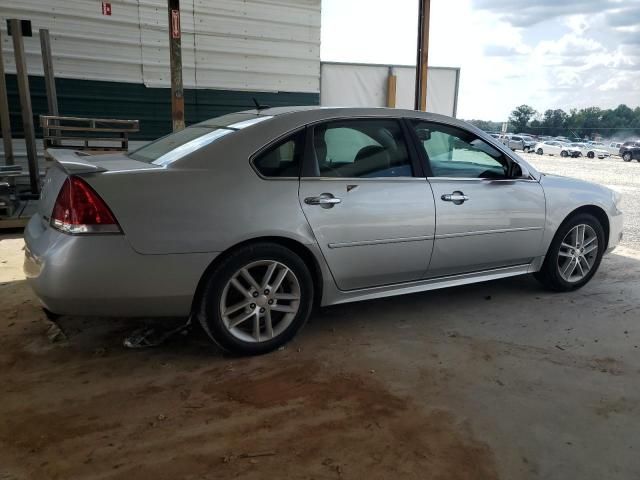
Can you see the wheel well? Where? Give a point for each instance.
(597, 212)
(293, 245)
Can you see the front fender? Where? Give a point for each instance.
(565, 195)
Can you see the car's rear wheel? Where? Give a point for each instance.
(574, 255)
(626, 157)
(539, 151)
(256, 299)
(591, 155)
(526, 149)
(564, 153)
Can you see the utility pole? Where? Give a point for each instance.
(49, 77)
(175, 56)
(25, 103)
(5, 121)
(422, 55)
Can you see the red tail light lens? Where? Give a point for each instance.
(79, 209)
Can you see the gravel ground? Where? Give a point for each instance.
(613, 172)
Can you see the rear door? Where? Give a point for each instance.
(367, 201)
(485, 217)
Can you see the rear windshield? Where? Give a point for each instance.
(178, 144)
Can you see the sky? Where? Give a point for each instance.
(544, 53)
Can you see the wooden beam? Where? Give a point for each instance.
(175, 58)
(392, 82)
(49, 77)
(5, 121)
(25, 104)
(422, 55)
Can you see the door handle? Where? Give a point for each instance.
(325, 200)
(457, 198)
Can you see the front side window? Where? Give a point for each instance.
(283, 159)
(367, 148)
(454, 152)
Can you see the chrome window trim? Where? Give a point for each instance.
(366, 179)
(474, 179)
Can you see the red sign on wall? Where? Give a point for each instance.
(175, 23)
(106, 8)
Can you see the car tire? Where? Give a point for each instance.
(539, 151)
(591, 155)
(276, 314)
(626, 157)
(526, 149)
(551, 274)
(564, 153)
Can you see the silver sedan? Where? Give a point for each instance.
(246, 221)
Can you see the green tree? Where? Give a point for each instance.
(520, 118)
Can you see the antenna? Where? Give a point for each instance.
(258, 106)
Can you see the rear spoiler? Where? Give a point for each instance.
(73, 161)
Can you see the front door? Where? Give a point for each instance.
(485, 218)
(372, 217)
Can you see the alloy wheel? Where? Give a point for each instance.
(260, 301)
(578, 253)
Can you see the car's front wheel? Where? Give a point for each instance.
(564, 153)
(539, 151)
(526, 149)
(574, 255)
(256, 299)
(591, 155)
(626, 157)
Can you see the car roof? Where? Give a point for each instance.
(311, 113)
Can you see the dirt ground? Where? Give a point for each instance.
(497, 380)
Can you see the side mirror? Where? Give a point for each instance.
(519, 171)
(424, 134)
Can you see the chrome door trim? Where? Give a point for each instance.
(380, 242)
(487, 232)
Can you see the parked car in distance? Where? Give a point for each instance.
(613, 148)
(590, 150)
(521, 142)
(246, 221)
(554, 147)
(630, 151)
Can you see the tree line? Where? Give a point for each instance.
(621, 122)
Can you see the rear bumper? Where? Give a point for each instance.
(102, 275)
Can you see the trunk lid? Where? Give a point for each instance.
(72, 162)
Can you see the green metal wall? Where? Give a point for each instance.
(152, 106)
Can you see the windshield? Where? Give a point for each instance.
(176, 145)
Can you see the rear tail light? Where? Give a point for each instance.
(79, 209)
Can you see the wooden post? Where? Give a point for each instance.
(5, 121)
(175, 56)
(422, 55)
(49, 77)
(391, 89)
(25, 104)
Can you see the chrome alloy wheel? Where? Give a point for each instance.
(578, 252)
(260, 301)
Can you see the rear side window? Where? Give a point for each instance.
(364, 148)
(283, 159)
